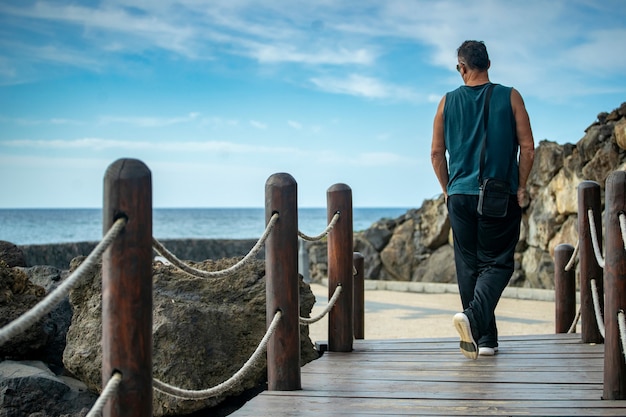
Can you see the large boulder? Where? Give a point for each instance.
(29, 388)
(204, 330)
(17, 296)
(58, 320)
(11, 254)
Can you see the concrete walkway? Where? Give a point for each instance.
(407, 314)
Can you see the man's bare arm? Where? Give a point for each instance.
(438, 149)
(526, 143)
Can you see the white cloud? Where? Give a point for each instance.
(294, 124)
(38, 122)
(359, 85)
(258, 125)
(149, 121)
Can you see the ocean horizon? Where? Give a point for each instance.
(35, 226)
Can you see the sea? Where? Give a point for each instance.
(49, 226)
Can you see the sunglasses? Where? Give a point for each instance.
(458, 67)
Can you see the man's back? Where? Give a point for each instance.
(463, 127)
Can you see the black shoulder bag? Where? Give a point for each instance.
(493, 197)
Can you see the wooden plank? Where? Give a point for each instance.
(326, 406)
(544, 375)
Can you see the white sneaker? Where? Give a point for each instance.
(468, 344)
(487, 351)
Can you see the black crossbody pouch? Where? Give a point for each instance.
(493, 196)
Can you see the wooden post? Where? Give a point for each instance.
(282, 286)
(340, 254)
(615, 276)
(127, 289)
(589, 198)
(564, 288)
(359, 296)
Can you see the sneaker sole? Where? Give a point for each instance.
(468, 344)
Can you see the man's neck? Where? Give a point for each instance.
(473, 78)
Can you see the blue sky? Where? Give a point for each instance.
(216, 96)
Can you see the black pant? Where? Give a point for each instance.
(484, 249)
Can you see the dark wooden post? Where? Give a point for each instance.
(564, 288)
(589, 198)
(340, 254)
(127, 289)
(615, 276)
(282, 287)
(359, 296)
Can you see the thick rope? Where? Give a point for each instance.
(46, 305)
(594, 239)
(572, 328)
(621, 322)
(622, 226)
(596, 306)
(226, 385)
(107, 393)
(224, 272)
(572, 260)
(331, 303)
(324, 233)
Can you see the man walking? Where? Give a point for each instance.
(481, 147)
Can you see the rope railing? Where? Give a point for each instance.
(596, 306)
(107, 393)
(621, 322)
(227, 385)
(46, 305)
(329, 306)
(572, 260)
(572, 328)
(594, 239)
(602, 258)
(222, 273)
(622, 227)
(324, 233)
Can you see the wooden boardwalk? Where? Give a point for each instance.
(545, 375)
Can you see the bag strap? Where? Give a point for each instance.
(484, 145)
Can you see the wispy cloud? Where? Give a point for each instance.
(363, 86)
(150, 121)
(294, 124)
(39, 122)
(258, 125)
(335, 158)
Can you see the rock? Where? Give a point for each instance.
(11, 254)
(365, 247)
(438, 267)
(538, 267)
(57, 322)
(204, 330)
(29, 388)
(400, 255)
(620, 133)
(17, 296)
(548, 161)
(432, 225)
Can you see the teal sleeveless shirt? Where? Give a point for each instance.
(463, 134)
